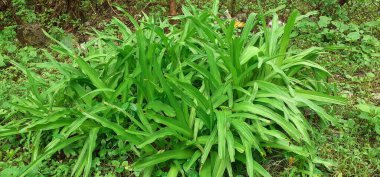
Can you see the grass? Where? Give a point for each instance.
(220, 101)
(354, 144)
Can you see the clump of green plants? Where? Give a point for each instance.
(358, 42)
(196, 97)
(11, 50)
(370, 113)
(7, 44)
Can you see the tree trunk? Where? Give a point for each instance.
(232, 7)
(172, 8)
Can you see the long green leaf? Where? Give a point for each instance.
(162, 157)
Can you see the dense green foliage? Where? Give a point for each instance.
(214, 94)
(196, 98)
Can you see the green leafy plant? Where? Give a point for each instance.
(359, 41)
(22, 10)
(370, 113)
(198, 96)
(6, 44)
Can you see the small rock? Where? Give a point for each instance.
(31, 34)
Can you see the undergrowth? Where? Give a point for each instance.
(200, 97)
